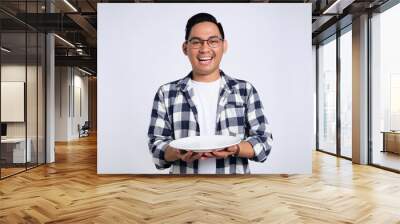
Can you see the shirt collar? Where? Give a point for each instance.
(227, 82)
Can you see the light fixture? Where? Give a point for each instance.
(70, 5)
(5, 50)
(64, 40)
(84, 71)
(337, 7)
(79, 51)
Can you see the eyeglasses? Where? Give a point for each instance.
(213, 42)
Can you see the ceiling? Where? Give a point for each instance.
(76, 22)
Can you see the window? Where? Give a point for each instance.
(385, 88)
(327, 96)
(346, 93)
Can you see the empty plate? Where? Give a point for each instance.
(205, 143)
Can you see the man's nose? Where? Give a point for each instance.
(204, 46)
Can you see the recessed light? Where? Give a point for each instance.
(5, 50)
(64, 40)
(84, 71)
(70, 5)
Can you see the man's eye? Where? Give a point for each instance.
(216, 41)
(195, 42)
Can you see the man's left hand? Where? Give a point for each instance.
(222, 154)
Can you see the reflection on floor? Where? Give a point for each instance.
(386, 159)
(347, 152)
(10, 169)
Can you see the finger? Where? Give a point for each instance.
(187, 156)
(179, 153)
(203, 157)
(196, 156)
(208, 154)
(220, 150)
(193, 157)
(232, 148)
(219, 154)
(200, 154)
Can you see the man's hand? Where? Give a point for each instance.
(222, 154)
(173, 154)
(189, 156)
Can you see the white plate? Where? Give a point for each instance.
(205, 143)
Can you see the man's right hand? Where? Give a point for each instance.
(172, 154)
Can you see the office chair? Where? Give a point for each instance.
(84, 130)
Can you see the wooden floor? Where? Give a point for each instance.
(5, 172)
(9, 171)
(70, 191)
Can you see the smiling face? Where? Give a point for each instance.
(205, 60)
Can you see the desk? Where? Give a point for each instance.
(391, 141)
(16, 147)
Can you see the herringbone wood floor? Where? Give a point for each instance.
(70, 191)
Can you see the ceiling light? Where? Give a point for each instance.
(338, 6)
(65, 41)
(70, 5)
(5, 50)
(84, 71)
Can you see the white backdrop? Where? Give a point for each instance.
(139, 49)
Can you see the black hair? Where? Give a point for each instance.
(202, 17)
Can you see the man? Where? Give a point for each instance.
(207, 102)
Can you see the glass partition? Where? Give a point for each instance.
(41, 91)
(13, 109)
(22, 77)
(327, 96)
(385, 89)
(346, 93)
(32, 95)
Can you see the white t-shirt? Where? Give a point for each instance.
(205, 98)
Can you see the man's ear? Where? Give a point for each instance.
(225, 46)
(184, 48)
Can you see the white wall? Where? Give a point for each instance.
(80, 84)
(139, 49)
(61, 103)
(17, 72)
(314, 73)
(68, 81)
(33, 127)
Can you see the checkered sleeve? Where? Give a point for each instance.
(160, 131)
(260, 136)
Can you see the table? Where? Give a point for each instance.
(16, 147)
(391, 141)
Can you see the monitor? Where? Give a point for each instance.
(3, 129)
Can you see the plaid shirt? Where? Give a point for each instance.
(239, 113)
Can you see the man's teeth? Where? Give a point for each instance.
(205, 59)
